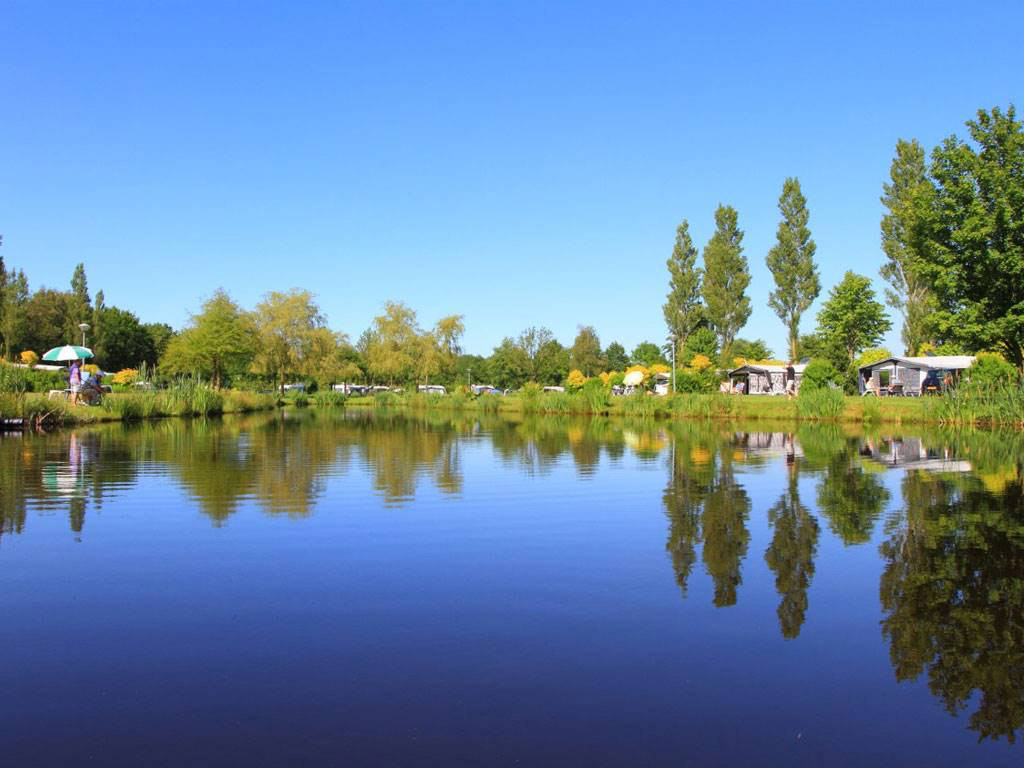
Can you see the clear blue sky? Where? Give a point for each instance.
(519, 163)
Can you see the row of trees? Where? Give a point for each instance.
(707, 303)
(953, 236)
(44, 318)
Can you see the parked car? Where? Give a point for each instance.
(431, 389)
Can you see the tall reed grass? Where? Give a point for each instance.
(820, 404)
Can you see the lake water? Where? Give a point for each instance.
(370, 589)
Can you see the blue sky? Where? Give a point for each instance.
(519, 163)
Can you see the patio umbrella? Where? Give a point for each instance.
(67, 352)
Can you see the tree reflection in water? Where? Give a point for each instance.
(951, 592)
(953, 595)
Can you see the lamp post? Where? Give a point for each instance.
(83, 327)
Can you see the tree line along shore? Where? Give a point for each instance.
(952, 234)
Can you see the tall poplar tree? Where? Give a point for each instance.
(79, 306)
(726, 278)
(683, 309)
(905, 238)
(3, 295)
(791, 261)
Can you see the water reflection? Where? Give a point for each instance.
(952, 549)
(953, 595)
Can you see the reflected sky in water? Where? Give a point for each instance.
(387, 589)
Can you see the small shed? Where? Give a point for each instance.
(755, 379)
(906, 375)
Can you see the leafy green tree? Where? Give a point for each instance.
(647, 353)
(393, 344)
(46, 321)
(585, 354)
(791, 261)
(3, 296)
(551, 365)
(16, 296)
(852, 318)
(975, 265)
(160, 335)
(702, 341)
(79, 305)
(221, 341)
(907, 226)
(615, 357)
(95, 338)
(683, 310)
(726, 278)
(471, 369)
(290, 339)
(531, 341)
(126, 343)
(751, 350)
(509, 364)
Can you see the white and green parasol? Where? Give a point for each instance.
(67, 352)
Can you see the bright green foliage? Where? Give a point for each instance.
(126, 344)
(509, 365)
(79, 307)
(703, 341)
(393, 344)
(818, 374)
(976, 264)
(726, 278)
(991, 370)
(751, 350)
(615, 357)
(45, 321)
(160, 334)
(683, 310)
(221, 341)
(551, 365)
(585, 353)
(906, 236)
(647, 353)
(791, 261)
(292, 335)
(852, 318)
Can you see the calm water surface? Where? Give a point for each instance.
(408, 590)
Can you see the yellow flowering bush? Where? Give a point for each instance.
(126, 376)
(659, 368)
(576, 380)
(642, 369)
(29, 358)
(91, 368)
(700, 362)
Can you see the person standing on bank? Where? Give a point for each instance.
(75, 380)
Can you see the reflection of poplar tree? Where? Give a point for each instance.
(682, 499)
(791, 557)
(953, 594)
(726, 509)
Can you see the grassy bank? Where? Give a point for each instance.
(824, 405)
(184, 400)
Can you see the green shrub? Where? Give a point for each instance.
(991, 370)
(300, 400)
(819, 374)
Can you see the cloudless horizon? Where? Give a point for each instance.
(520, 164)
